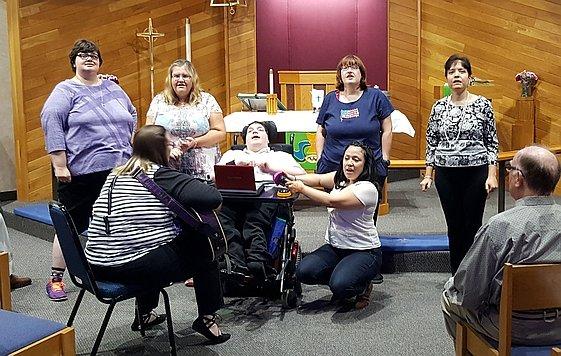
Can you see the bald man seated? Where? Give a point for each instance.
(529, 233)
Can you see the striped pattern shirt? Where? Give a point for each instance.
(138, 222)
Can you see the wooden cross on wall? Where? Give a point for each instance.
(150, 34)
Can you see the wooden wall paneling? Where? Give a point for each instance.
(241, 54)
(403, 72)
(41, 34)
(506, 40)
(12, 8)
(501, 39)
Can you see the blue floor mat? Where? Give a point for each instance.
(38, 212)
(410, 243)
(414, 243)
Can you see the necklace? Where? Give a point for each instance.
(451, 115)
(100, 90)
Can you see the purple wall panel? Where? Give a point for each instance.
(373, 40)
(315, 34)
(272, 41)
(320, 33)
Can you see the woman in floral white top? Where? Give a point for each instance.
(193, 117)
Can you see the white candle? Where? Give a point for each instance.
(187, 39)
(271, 89)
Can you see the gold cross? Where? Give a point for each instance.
(150, 34)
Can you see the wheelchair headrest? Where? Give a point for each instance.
(269, 126)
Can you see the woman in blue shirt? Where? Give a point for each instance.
(354, 112)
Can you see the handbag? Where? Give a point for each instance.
(212, 241)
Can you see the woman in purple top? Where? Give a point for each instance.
(88, 124)
(354, 112)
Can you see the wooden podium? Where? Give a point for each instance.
(523, 133)
(296, 87)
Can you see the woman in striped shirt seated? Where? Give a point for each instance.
(141, 244)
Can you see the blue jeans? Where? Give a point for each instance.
(346, 272)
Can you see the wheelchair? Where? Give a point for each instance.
(279, 280)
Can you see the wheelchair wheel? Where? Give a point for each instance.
(289, 299)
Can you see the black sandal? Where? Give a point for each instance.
(203, 324)
(148, 321)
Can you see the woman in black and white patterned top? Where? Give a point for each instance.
(462, 148)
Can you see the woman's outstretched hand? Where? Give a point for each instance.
(295, 186)
(426, 183)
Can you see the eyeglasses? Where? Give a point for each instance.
(90, 55)
(350, 67)
(509, 167)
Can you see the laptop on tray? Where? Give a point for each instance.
(237, 180)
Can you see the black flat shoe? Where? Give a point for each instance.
(149, 321)
(378, 279)
(203, 324)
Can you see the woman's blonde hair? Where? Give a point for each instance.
(170, 97)
(149, 146)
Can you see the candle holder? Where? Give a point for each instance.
(271, 104)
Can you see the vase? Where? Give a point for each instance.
(527, 89)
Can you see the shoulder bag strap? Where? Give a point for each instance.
(109, 199)
(171, 203)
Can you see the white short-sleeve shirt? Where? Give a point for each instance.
(282, 159)
(355, 228)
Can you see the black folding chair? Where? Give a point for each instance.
(82, 276)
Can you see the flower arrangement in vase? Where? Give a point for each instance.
(528, 81)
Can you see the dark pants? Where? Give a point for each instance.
(246, 226)
(79, 195)
(462, 194)
(173, 262)
(346, 272)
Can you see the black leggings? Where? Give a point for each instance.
(175, 261)
(79, 195)
(462, 194)
(246, 226)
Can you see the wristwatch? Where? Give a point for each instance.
(387, 162)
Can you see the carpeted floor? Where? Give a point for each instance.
(403, 318)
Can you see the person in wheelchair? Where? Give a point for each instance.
(247, 224)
